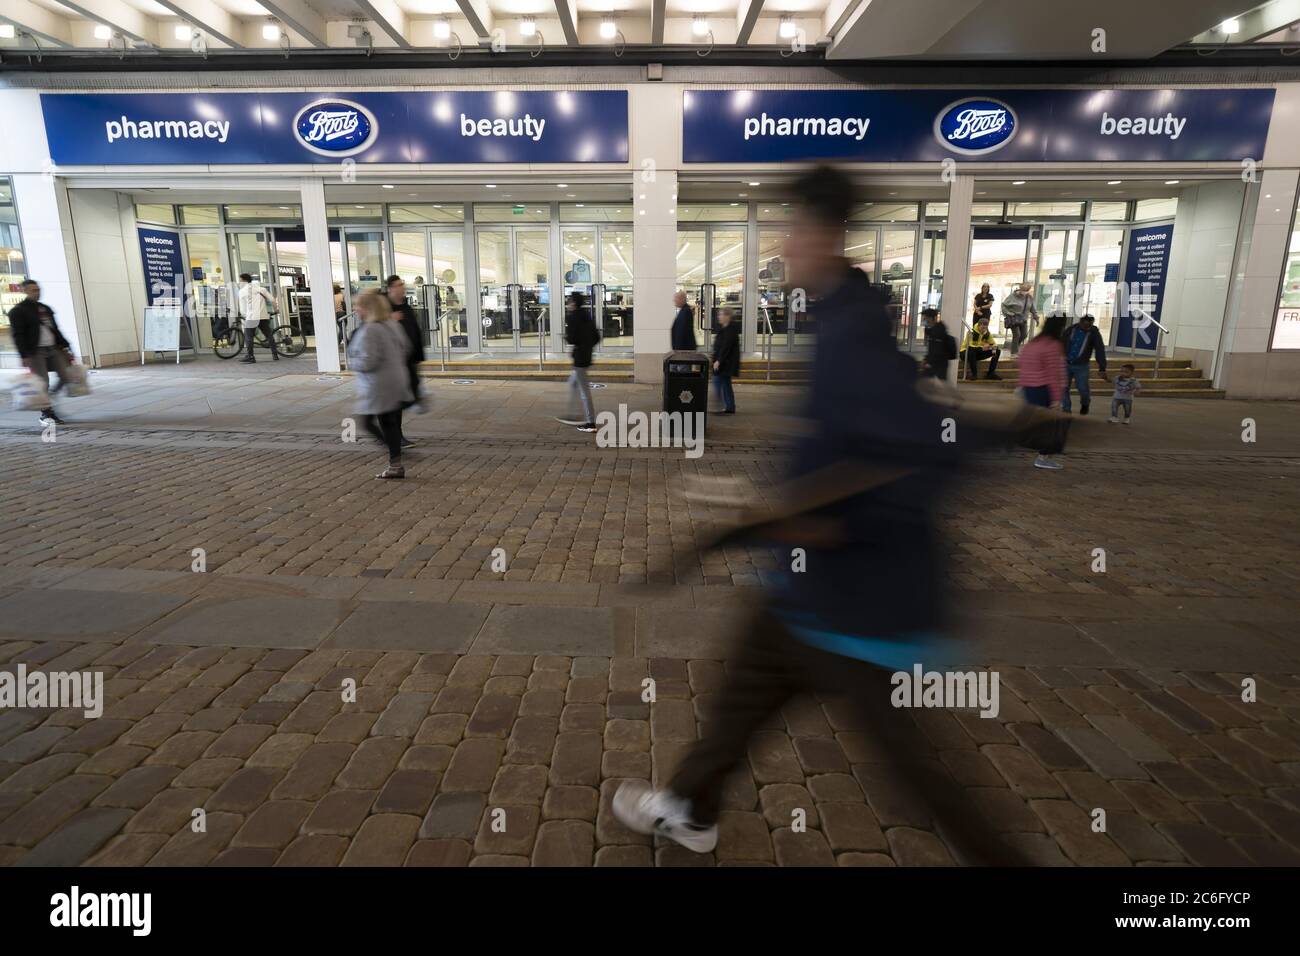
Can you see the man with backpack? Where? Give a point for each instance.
(1082, 340)
(940, 346)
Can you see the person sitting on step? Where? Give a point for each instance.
(978, 346)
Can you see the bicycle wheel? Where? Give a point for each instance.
(288, 342)
(230, 345)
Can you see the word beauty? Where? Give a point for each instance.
(528, 126)
(1167, 125)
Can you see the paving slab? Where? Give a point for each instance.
(70, 614)
(411, 625)
(250, 622)
(574, 631)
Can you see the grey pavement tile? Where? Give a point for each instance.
(81, 615)
(410, 626)
(709, 633)
(532, 593)
(1195, 645)
(236, 621)
(572, 631)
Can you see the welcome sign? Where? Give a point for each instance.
(1032, 126)
(444, 126)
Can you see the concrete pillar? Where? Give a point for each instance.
(320, 273)
(956, 262)
(655, 141)
(45, 223)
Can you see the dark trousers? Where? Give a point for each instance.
(387, 427)
(1017, 337)
(771, 667)
(265, 328)
(723, 391)
(975, 356)
(1049, 440)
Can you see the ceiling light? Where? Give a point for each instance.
(608, 28)
(755, 184)
(386, 186)
(183, 31)
(1017, 182)
(561, 185)
(489, 186)
(528, 27)
(1113, 182)
(441, 29)
(1171, 182)
(271, 31)
(1231, 26)
(102, 32)
(7, 31)
(787, 30)
(700, 26)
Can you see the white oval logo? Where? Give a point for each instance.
(335, 128)
(975, 125)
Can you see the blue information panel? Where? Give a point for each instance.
(107, 129)
(1146, 264)
(160, 250)
(910, 126)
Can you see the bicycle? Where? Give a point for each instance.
(288, 341)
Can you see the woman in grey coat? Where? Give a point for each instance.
(377, 356)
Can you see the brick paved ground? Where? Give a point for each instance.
(515, 697)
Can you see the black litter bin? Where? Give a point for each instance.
(686, 383)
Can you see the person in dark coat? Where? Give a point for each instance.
(940, 346)
(871, 600)
(683, 339)
(580, 332)
(405, 316)
(726, 360)
(39, 343)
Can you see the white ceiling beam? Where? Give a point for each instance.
(388, 16)
(567, 11)
(209, 18)
(658, 14)
(121, 16)
(479, 15)
(836, 14)
(299, 16)
(746, 19)
(27, 17)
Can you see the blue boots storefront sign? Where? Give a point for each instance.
(213, 129)
(335, 127)
(973, 127)
(1015, 126)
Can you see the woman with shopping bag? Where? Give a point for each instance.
(43, 349)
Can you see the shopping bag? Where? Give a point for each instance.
(76, 380)
(30, 392)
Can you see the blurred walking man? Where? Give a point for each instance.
(867, 603)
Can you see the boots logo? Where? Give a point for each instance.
(335, 128)
(975, 126)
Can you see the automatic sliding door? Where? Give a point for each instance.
(897, 269)
(410, 261)
(210, 298)
(448, 276)
(773, 307)
(692, 275)
(998, 259)
(496, 289)
(532, 278)
(616, 277)
(727, 273)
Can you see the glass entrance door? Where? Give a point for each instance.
(1058, 271)
(514, 288)
(597, 261)
(1000, 258)
(711, 271)
(209, 301)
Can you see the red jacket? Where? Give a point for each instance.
(1042, 362)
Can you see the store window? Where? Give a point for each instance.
(201, 215)
(13, 264)
(884, 212)
(719, 212)
(355, 212)
(517, 212)
(263, 212)
(1286, 325)
(156, 212)
(426, 212)
(1045, 210)
(1109, 211)
(776, 211)
(595, 212)
(1155, 209)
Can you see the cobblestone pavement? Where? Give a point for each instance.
(516, 698)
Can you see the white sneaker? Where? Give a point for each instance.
(1128, 421)
(1046, 461)
(1114, 420)
(646, 810)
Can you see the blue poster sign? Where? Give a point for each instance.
(446, 126)
(1145, 266)
(1029, 126)
(160, 250)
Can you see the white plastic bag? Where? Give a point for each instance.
(76, 381)
(30, 392)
